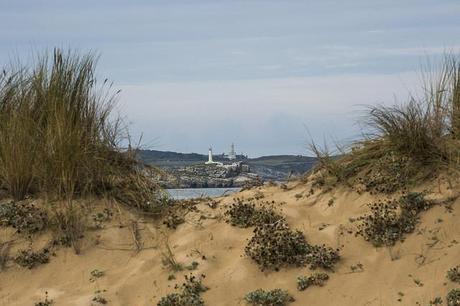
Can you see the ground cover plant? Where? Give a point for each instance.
(246, 214)
(453, 297)
(275, 245)
(316, 279)
(189, 294)
(389, 221)
(454, 274)
(275, 297)
(31, 259)
(24, 216)
(45, 302)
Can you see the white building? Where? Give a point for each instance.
(210, 161)
(232, 154)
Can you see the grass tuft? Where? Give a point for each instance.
(403, 143)
(59, 136)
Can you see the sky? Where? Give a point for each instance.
(266, 75)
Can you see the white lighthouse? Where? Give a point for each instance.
(210, 161)
(209, 157)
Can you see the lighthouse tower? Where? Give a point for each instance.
(210, 161)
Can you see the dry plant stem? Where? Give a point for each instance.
(136, 236)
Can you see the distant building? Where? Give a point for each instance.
(232, 154)
(210, 161)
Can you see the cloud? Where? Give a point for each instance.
(263, 115)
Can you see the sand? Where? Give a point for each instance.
(134, 277)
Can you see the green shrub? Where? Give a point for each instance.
(189, 295)
(317, 279)
(275, 245)
(100, 218)
(45, 302)
(389, 221)
(24, 216)
(69, 225)
(243, 214)
(388, 174)
(453, 297)
(454, 274)
(275, 297)
(30, 259)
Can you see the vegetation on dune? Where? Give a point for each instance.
(317, 279)
(59, 136)
(275, 245)
(275, 297)
(60, 140)
(453, 297)
(389, 221)
(403, 143)
(45, 302)
(454, 274)
(246, 214)
(189, 295)
(30, 259)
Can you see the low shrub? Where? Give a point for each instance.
(275, 297)
(99, 300)
(437, 301)
(388, 174)
(69, 225)
(172, 220)
(169, 260)
(45, 302)
(275, 245)
(454, 274)
(453, 297)
(322, 256)
(95, 275)
(190, 293)
(317, 279)
(243, 214)
(24, 216)
(389, 221)
(30, 259)
(101, 217)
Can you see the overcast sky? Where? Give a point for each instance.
(257, 73)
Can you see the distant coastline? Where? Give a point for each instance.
(188, 170)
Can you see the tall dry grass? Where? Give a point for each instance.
(425, 131)
(59, 135)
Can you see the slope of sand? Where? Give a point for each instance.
(140, 278)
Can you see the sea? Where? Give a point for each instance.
(191, 193)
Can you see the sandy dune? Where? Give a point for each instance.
(140, 278)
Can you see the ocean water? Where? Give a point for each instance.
(190, 193)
